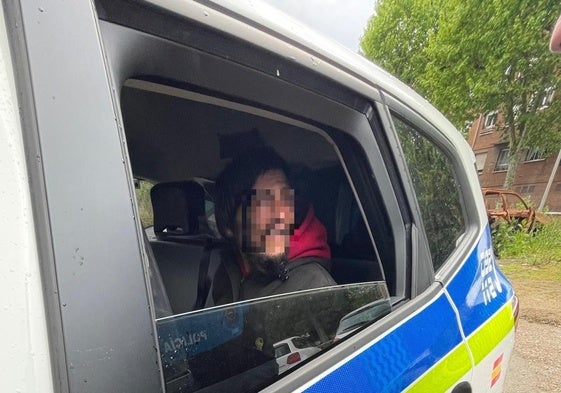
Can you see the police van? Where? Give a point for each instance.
(108, 288)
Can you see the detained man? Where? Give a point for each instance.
(255, 210)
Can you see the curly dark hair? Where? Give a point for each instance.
(237, 179)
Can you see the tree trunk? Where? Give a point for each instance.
(514, 159)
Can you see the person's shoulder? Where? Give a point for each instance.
(312, 270)
(304, 273)
(309, 261)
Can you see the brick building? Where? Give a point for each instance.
(491, 153)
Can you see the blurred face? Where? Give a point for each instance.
(265, 225)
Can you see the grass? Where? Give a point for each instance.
(532, 263)
(534, 256)
(518, 269)
(537, 248)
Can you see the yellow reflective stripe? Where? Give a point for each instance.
(484, 340)
(452, 367)
(457, 363)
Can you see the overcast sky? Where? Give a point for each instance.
(341, 20)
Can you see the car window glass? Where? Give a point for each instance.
(181, 143)
(281, 350)
(243, 346)
(436, 190)
(302, 342)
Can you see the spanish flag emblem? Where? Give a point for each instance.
(497, 367)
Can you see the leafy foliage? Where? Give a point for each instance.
(538, 248)
(470, 57)
(144, 203)
(398, 36)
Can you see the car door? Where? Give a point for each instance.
(478, 292)
(422, 347)
(153, 92)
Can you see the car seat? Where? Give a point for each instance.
(188, 253)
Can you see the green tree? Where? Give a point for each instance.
(470, 57)
(398, 34)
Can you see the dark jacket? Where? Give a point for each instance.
(303, 273)
(230, 286)
(307, 268)
(230, 367)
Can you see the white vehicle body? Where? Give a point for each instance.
(78, 308)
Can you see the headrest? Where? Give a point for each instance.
(179, 209)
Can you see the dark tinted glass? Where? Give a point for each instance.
(233, 348)
(436, 189)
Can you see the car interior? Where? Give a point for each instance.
(179, 140)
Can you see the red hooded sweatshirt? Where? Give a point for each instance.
(309, 239)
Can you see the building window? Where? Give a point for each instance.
(527, 189)
(516, 111)
(558, 187)
(490, 119)
(480, 159)
(502, 160)
(534, 154)
(547, 97)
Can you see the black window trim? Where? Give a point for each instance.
(117, 38)
(361, 126)
(330, 114)
(466, 242)
(158, 22)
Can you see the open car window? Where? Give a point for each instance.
(210, 335)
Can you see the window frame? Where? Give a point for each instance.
(337, 114)
(534, 154)
(525, 189)
(72, 229)
(501, 166)
(49, 75)
(477, 162)
(466, 241)
(490, 121)
(547, 98)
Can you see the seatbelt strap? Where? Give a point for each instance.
(233, 273)
(221, 264)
